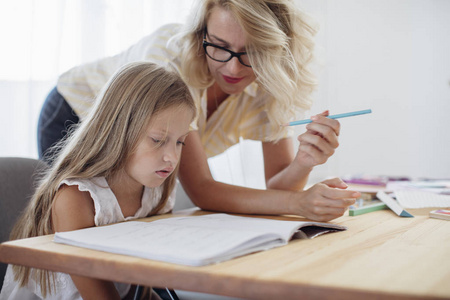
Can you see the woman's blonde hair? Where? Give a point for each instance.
(279, 44)
(101, 145)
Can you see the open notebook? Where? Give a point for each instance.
(194, 240)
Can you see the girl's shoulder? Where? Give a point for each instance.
(87, 184)
(72, 209)
(70, 198)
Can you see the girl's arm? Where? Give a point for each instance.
(323, 202)
(71, 210)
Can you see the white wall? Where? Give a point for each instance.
(392, 57)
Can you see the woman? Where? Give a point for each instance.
(246, 63)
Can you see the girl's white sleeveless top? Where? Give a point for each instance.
(107, 211)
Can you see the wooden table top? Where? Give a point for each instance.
(380, 256)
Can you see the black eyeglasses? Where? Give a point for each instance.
(222, 54)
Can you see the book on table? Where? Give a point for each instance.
(194, 240)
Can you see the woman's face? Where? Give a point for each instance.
(223, 30)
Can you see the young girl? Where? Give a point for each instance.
(119, 164)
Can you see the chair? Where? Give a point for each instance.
(17, 176)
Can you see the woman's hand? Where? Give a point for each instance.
(324, 201)
(319, 141)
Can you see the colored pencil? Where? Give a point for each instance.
(344, 115)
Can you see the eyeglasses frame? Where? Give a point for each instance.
(233, 54)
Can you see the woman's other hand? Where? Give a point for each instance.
(324, 201)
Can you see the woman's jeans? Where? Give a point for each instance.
(54, 122)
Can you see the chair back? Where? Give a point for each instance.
(17, 177)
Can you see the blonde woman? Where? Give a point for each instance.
(246, 63)
(120, 164)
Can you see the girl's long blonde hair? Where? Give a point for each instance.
(102, 143)
(280, 47)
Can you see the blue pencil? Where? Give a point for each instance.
(349, 114)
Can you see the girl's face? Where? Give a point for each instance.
(224, 31)
(159, 150)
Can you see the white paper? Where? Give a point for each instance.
(432, 186)
(420, 199)
(393, 205)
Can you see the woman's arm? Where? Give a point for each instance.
(280, 171)
(288, 171)
(71, 210)
(209, 194)
(323, 202)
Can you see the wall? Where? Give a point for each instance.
(392, 57)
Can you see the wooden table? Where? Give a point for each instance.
(380, 256)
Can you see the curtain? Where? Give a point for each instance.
(40, 39)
